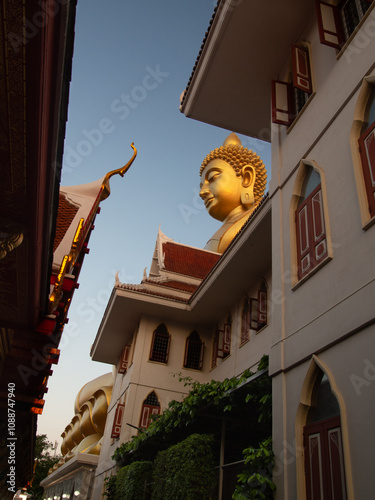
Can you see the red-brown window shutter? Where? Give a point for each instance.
(245, 322)
(124, 360)
(147, 411)
(319, 230)
(303, 240)
(301, 68)
(282, 102)
(262, 308)
(329, 23)
(367, 151)
(227, 338)
(201, 354)
(167, 353)
(186, 351)
(254, 314)
(310, 232)
(215, 349)
(219, 343)
(117, 422)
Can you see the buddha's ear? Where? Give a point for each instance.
(248, 180)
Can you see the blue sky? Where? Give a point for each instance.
(132, 60)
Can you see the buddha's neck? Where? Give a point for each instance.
(235, 214)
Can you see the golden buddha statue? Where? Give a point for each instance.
(233, 181)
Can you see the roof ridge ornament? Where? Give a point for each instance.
(117, 279)
(106, 190)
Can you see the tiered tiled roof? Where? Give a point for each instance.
(188, 261)
(143, 290)
(65, 215)
(178, 285)
(176, 272)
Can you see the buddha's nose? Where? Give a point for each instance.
(204, 191)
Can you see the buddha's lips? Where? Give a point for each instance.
(208, 201)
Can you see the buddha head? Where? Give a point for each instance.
(233, 180)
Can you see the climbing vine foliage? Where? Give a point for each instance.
(176, 421)
(255, 482)
(167, 446)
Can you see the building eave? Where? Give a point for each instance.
(130, 306)
(230, 85)
(77, 462)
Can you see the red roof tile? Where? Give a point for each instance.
(187, 260)
(65, 215)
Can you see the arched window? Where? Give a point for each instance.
(160, 344)
(367, 151)
(151, 406)
(324, 457)
(310, 224)
(194, 351)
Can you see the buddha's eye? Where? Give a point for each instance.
(213, 175)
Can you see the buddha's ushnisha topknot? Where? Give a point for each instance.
(238, 156)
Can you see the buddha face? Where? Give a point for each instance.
(221, 188)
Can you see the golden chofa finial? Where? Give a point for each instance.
(232, 140)
(121, 171)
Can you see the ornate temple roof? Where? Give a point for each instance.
(177, 261)
(176, 270)
(75, 203)
(35, 77)
(65, 215)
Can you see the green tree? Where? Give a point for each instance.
(44, 460)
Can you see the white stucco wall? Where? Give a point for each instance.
(327, 314)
